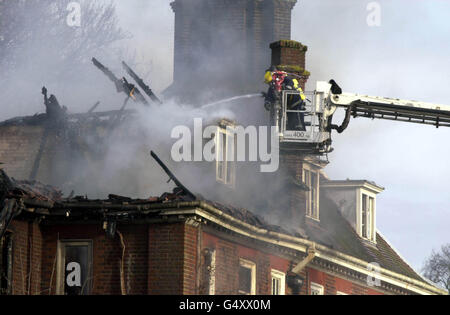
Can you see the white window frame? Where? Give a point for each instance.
(316, 287)
(222, 163)
(370, 219)
(60, 274)
(341, 293)
(281, 277)
(252, 266)
(310, 212)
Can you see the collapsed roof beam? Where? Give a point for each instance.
(172, 176)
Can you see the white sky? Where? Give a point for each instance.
(406, 57)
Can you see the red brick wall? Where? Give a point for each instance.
(282, 19)
(136, 258)
(227, 265)
(333, 284)
(252, 25)
(292, 163)
(27, 250)
(190, 267)
(159, 259)
(263, 268)
(288, 54)
(172, 266)
(227, 269)
(18, 148)
(107, 254)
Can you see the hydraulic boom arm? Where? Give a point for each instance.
(316, 117)
(392, 109)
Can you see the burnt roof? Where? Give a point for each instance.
(248, 217)
(43, 118)
(333, 230)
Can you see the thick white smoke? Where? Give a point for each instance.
(406, 57)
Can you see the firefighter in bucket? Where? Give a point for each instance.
(279, 81)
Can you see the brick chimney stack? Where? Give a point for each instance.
(290, 56)
(221, 45)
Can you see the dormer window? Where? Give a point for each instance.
(367, 216)
(311, 180)
(356, 200)
(225, 150)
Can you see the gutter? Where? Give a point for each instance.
(311, 254)
(211, 213)
(301, 245)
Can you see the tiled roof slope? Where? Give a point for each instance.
(334, 231)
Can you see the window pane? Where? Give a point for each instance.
(221, 146)
(275, 286)
(245, 280)
(230, 174)
(364, 216)
(225, 148)
(221, 157)
(308, 199)
(370, 216)
(220, 167)
(230, 159)
(316, 289)
(230, 147)
(78, 255)
(314, 195)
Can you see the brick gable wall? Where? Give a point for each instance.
(27, 253)
(18, 148)
(161, 258)
(213, 31)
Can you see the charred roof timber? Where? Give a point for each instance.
(122, 85)
(141, 83)
(53, 109)
(182, 188)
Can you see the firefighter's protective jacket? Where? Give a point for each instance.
(293, 84)
(288, 83)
